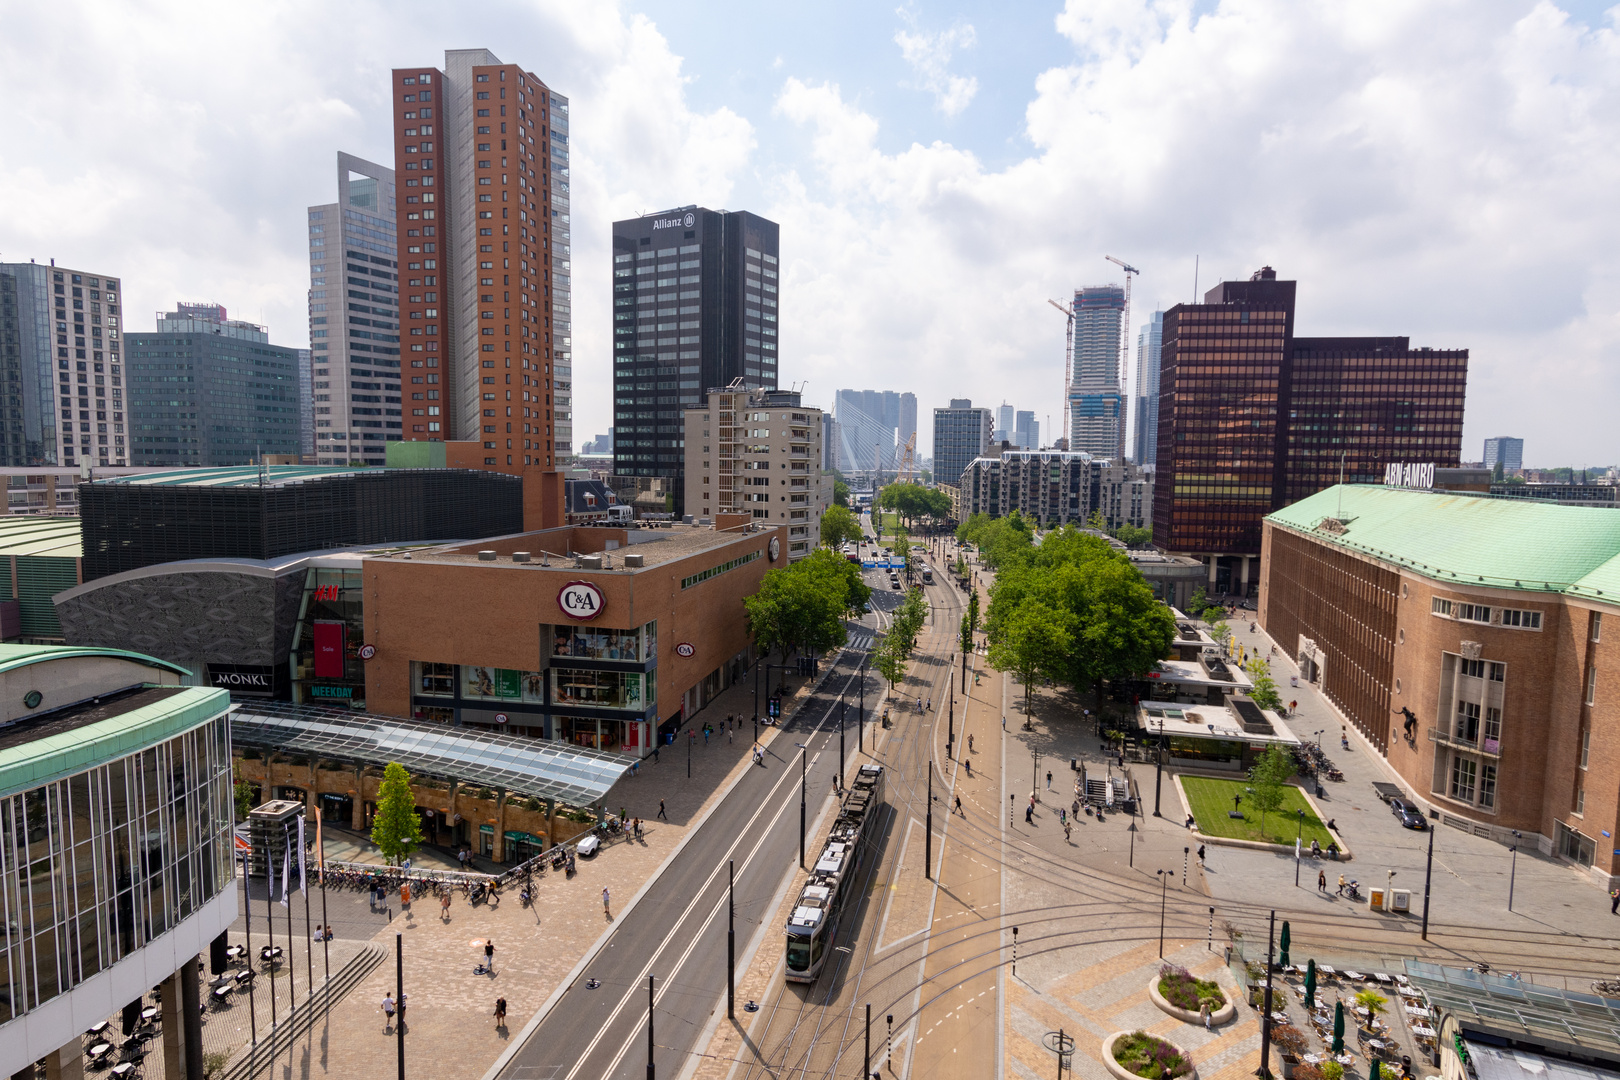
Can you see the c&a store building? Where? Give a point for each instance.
(597, 637)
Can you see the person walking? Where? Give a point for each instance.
(388, 1012)
(970, 744)
(968, 765)
(500, 1013)
(661, 812)
(402, 996)
(444, 907)
(1340, 890)
(489, 955)
(959, 805)
(1204, 1012)
(1321, 881)
(1029, 814)
(1200, 854)
(1048, 779)
(606, 910)
(1003, 719)
(1614, 902)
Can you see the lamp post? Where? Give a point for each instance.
(841, 716)
(804, 765)
(1514, 869)
(1428, 873)
(860, 713)
(950, 726)
(1158, 768)
(1164, 885)
(1298, 836)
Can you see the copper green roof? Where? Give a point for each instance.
(30, 534)
(19, 656)
(1469, 539)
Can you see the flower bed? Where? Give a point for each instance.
(1139, 1054)
(1175, 991)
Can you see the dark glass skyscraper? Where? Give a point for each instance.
(695, 306)
(1252, 418)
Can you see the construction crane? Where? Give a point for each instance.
(908, 461)
(1068, 363)
(1124, 346)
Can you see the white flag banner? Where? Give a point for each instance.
(302, 870)
(1296, 849)
(286, 872)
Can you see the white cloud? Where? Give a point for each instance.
(1440, 170)
(930, 58)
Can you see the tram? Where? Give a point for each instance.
(813, 925)
(928, 575)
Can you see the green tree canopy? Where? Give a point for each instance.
(1133, 537)
(1264, 692)
(839, 526)
(1267, 777)
(802, 605)
(840, 490)
(396, 829)
(1034, 641)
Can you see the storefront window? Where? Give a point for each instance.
(436, 680)
(600, 689)
(436, 715)
(591, 731)
(591, 643)
(500, 684)
(326, 643)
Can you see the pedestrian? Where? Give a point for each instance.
(405, 895)
(388, 1012)
(634, 765)
(731, 729)
(1200, 854)
(1340, 890)
(930, 704)
(1321, 881)
(402, 996)
(1003, 719)
(605, 909)
(959, 805)
(970, 744)
(968, 764)
(1048, 779)
(706, 730)
(489, 955)
(500, 1013)
(444, 907)
(661, 812)
(1614, 901)
(1189, 821)
(655, 753)
(1029, 813)
(1204, 1011)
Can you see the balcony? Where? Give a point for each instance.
(1488, 747)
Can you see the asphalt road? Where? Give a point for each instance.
(677, 933)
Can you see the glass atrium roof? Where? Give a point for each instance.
(520, 765)
(1519, 1007)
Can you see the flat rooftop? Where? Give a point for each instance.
(62, 721)
(1190, 673)
(250, 476)
(1214, 722)
(656, 547)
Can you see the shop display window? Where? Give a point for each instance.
(601, 689)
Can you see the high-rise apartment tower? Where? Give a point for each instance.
(1506, 451)
(695, 305)
(1252, 418)
(62, 362)
(1096, 402)
(961, 433)
(1149, 342)
(481, 156)
(354, 317)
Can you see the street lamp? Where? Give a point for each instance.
(1164, 884)
(1513, 871)
(804, 760)
(1298, 836)
(1158, 768)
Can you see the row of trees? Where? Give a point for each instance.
(802, 606)
(839, 525)
(900, 642)
(1071, 609)
(913, 501)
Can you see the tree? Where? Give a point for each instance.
(802, 606)
(1197, 602)
(973, 612)
(1097, 521)
(840, 490)
(1264, 692)
(1133, 537)
(1032, 642)
(1500, 473)
(967, 634)
(1221, 633)
(839, 526)
(242, 792)
(1267, 777)
(396, 829)
(889, 661)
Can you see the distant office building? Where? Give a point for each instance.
(1149, 342)
(1567, 494)
(306, 405)
(1056, 488)
(961, 433)
(829, 442)
(354, 318)
(758, 452)
(695, 295)
(62, 368)
(1004, 424)
(481, 151)
(1506, 450)
(1027, 431)
(1096, 399)
(1252, 418)
(908, 419)
(209, 390)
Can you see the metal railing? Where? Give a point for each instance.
(1488, 747)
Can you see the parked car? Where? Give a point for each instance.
(1401, 806)
(1411, 819)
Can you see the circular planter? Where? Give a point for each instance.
(1119, 1072)
(1223, 1015)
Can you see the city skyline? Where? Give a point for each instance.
(809, 145)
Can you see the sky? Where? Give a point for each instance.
(1440, 169)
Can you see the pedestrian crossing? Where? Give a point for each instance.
(859, 641)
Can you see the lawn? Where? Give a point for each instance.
(1212, 800)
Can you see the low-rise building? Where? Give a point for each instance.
(1472, 641)
(759, 453)
(1056, 487)
(116, 847)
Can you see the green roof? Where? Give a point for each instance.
(19, 656)
(29, 534)
(66, 753)
(1470, 539)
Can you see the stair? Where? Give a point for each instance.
(255, 1059)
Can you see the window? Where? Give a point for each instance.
(1498, 672)
(1472, 668)
(1467, 729)
(1493, 727)
(1597, 626)
(1474, 612)
(1586, 746)
(436, 680)
(1580, 800)
(1528, 620)
(1591, 685)
(1441, 607)
(578, 688)
(1463, 772)
(1487, 785)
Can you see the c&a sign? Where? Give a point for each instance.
(581, 601)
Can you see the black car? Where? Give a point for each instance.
(1413, 820)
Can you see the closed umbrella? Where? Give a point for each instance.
(1310, 983)
(1373, 1070)
(1338, 1028)
(1282, 951)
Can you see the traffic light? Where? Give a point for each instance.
(774, 706)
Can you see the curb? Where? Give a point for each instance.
(255, 1059)
(1345, 854)
(1223, 1015)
